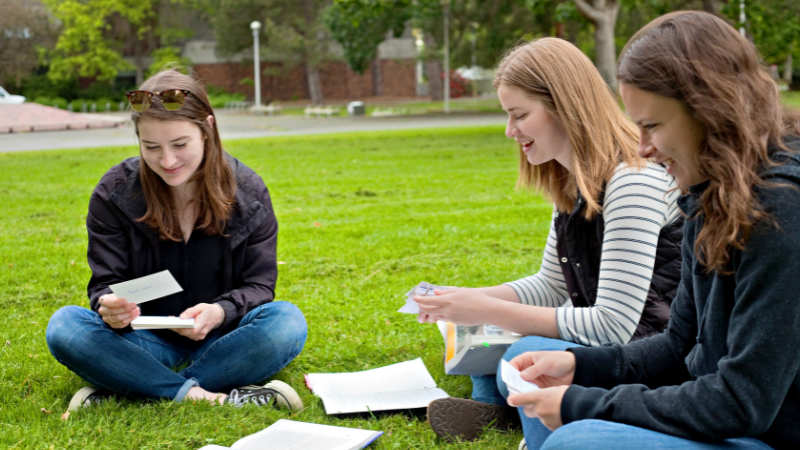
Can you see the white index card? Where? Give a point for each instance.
(147, 288)
(514, 381)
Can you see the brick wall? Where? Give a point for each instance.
(338, 81)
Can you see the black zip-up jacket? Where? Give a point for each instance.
(580, 247)
(121, 248)
(728, 364)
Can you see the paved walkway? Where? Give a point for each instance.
(242, 126)
(31, 117)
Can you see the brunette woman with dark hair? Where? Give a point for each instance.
(186, 206)
(726, 372)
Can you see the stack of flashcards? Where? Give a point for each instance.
(148, 288)
(514, 381)
(422, 289)
(160, 322)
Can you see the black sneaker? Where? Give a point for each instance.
(88, 396)
(457, 418)
(275, 393)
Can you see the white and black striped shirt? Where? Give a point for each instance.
(637, 205)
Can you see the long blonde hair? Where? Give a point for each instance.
(559, 75)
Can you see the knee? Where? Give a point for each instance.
(580, 435)
(63, 329)
(284, 322)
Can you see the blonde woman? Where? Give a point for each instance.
(611, 264)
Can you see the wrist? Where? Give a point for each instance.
(221, 315)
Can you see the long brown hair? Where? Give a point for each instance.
(699, 59)
(559, 75)
(214, 179)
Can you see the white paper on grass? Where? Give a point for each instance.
(147, 288)
(514, 381)
(291, 435)
(403, 385)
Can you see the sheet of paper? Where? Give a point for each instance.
(514, 381)
(160, 322)
(398, 386)
(422, 289)
(292, 435)
(147, 288)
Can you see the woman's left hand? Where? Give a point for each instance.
(206, 316)
(461, 306)
(544, 404)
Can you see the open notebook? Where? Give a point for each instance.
(291, 435)
(404, 385)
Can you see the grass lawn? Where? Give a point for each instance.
(363, 218)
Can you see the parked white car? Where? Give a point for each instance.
(8, 99)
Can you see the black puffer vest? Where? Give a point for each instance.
(580, 244)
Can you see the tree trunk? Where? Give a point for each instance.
(314, 85)
(787, 68)
(711, 6)
(377, 77)
(434, 68)
(603, 15)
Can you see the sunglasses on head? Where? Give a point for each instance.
(172, 99)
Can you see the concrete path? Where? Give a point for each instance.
(243, 126)
(32, 117)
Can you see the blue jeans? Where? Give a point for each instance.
(599, 434)
(141, 362)
(492, 389)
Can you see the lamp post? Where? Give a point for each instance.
(742, 18)
(446, 4)
(255, 26)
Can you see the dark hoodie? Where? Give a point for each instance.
(122, 248)
(728, 365)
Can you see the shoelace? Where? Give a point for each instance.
(263, 399)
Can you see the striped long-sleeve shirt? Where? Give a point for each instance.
(637, 205)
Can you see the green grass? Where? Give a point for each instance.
(791, 99)
(363, 218)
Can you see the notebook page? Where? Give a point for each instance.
(291, 435)
(405, 376)
(380, 401)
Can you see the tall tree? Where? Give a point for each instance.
(293, 31)
(95, 33)
(603, 15)
(26, 28)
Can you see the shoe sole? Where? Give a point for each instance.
(80, 397)
(288, 398)
(458, 418)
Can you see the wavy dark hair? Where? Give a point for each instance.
(702, 61)
(216, 184)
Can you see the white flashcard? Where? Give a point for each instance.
(514, 381)
(147, 288)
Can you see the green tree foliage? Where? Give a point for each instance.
(168, 57)
(360, 25)
(774, 26)
(94, 34)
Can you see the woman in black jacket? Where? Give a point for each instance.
(726, 372)
(188, 207)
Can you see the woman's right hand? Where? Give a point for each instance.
(546, 369)
(117, 312)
